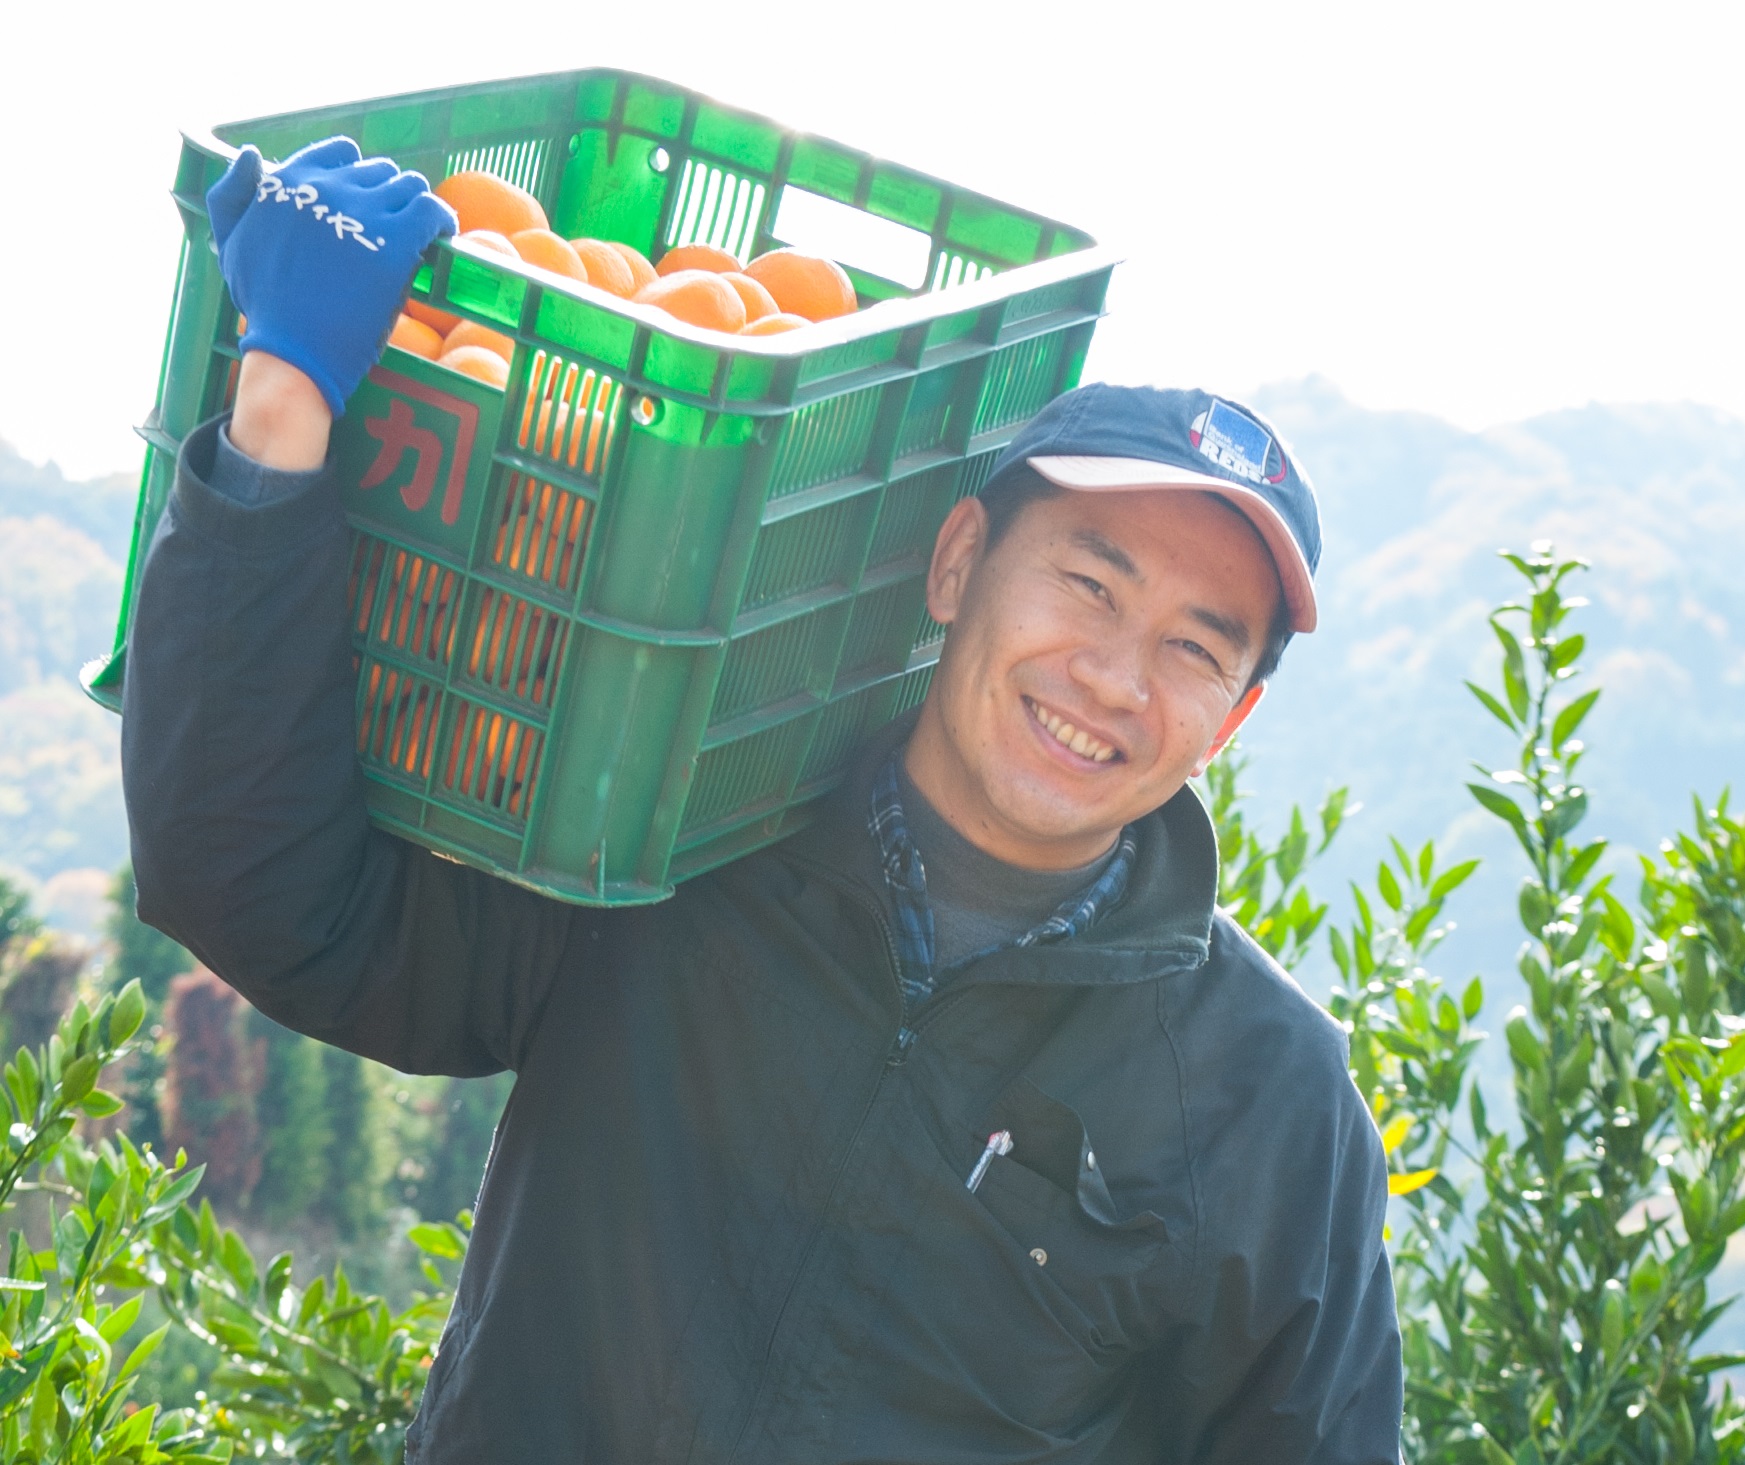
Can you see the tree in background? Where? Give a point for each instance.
(140, 952)
(296, 1129)
(211, 1085)
(38, 976)
(16, 921)
(470, 1108)
(358, 1161)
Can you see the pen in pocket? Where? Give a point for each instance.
(999, 1143)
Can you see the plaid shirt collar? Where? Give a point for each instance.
(906, 877)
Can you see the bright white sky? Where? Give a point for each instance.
(1481, 210)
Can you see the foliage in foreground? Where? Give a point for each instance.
(1553, 1264)
(314, 1374)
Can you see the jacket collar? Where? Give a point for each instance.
(1164, 923)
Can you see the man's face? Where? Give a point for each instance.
(1098, 655)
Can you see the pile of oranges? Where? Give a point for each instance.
(699, 284)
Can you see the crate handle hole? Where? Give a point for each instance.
(660, 160)
(645, 411)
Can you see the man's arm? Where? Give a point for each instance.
(251, 842)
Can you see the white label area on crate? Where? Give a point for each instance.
(853, 237)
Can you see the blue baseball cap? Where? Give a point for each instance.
(1103, 438)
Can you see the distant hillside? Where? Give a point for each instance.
(1414, 510)
(63, 552)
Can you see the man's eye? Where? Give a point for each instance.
(1094, 586)
(1194, 648)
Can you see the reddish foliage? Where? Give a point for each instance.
(210, 1086)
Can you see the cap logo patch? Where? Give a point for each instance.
(1238, 444)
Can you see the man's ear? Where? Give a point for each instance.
(1238, 716)
(962, 538)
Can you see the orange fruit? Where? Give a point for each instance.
(607, 268)
(471, 333)
(439, 321)
(485, 201)
(550, 252)
(640, 269)
(774, 325)
(697, 257)
(698, 297)
(758, 301)
(488, 239)
(416, 337)
(477, 361)
(804, 284)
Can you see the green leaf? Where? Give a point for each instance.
(1514, 672)
(1494, 707)
(1612, 1319)
(1568, 719)
(1500, 804)
(143, 1350)
(1565, 814)
(78, 1077)
(119, 1321)
(127, 1014)
(438, 1239)
(1524, 1045)
(1566, 651)
(1452, 879)
(1581, 862)
(1473, 999)
(100, 1104)
(1388, 886)
(1694, 983)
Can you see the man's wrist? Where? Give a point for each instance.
(281, 420)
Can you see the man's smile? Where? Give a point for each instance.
(1089, 748)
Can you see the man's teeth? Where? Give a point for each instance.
(1075, 738)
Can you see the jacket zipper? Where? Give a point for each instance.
(893, 1058)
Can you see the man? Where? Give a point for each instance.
(959, 1127)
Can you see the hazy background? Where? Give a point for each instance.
(1481, 211)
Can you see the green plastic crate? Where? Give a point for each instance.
(626, 620)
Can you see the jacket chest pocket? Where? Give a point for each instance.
(1089, 1260)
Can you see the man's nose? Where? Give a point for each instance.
(1113, 670)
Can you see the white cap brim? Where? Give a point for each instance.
(1116, 475)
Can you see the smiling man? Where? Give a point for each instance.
(959, 1127)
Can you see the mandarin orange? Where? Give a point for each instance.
(416, 337)
(471, 333)
(697, 257)
(477, 361)
(774, 325)
(439, 321)
(804, 284)
(640, 269)
(607, 268)
(488, 239)
(697, 297)
(549, 252)
(485, 201)
(758, 301)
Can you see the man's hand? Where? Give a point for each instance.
(318, 253)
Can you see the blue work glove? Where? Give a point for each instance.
(319, 252)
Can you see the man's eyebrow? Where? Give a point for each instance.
(1231, 629)
(1109, 552)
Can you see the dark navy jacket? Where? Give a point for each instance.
(725, 1218)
